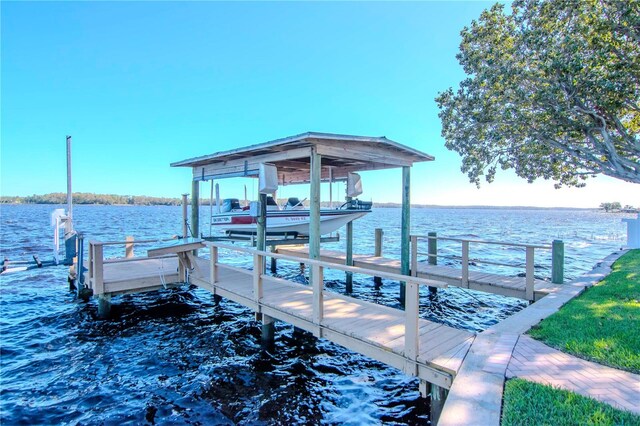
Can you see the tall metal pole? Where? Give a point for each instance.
(69, 223)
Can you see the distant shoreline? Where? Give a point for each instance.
(87, 199)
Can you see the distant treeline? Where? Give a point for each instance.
(88, 198)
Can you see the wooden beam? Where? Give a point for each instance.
(241, 165)
(364, 152)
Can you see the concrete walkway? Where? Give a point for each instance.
(534, 361)
(503, 351)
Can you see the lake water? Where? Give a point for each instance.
(173, 357)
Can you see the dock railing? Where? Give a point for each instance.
(557, 267)
(96, 259)
(413, 284)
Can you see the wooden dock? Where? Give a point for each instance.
(426, 349)
(477, 280)
(433, 352)
(374, 330)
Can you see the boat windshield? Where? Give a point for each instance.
(230, 204)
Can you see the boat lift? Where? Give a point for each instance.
(60, 219)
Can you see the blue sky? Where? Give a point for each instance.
(140, 85)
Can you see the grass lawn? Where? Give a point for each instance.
(603, 323)
(528, 403)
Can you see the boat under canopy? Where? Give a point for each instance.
(309, 158)
(291, 219)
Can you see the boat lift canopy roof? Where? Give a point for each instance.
(341, 155)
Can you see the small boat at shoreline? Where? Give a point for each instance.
(291, 219)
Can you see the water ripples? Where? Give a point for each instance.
(174, 357)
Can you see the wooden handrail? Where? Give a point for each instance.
(500, 243)
(330, 265)
(486, 262)
(412, 299)
(529, 261)
(114, 243)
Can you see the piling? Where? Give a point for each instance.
(432, 248)
(261, 223)
(349, 257)
(438, 397)
(378, 252)
(314, 209)
(349, 254)
(185, 229)
(557, 262)
(80, 267)
(195, 209)
(432, 251)
(274, 263)
(104, 306)
(405, 228)
(128, 247)
(268, 332)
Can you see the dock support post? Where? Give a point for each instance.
(378, 252)
(274, 262)
(314, 208)
(557, 262)
(128, 248)
(80, 290)
(438, 396)
(104, 305)
(261, 224)
(195, 209)
(185, 231)
(433, 248)
(213, 274)
(432, 251)
(405, 228)
(529, 274)
(268, 332)
(349, 257)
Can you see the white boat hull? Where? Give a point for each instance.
(286, 221)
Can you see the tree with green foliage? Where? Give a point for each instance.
(553, 91)
(611, 206)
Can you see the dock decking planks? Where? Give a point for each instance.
(442, 348)
(478, 280)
